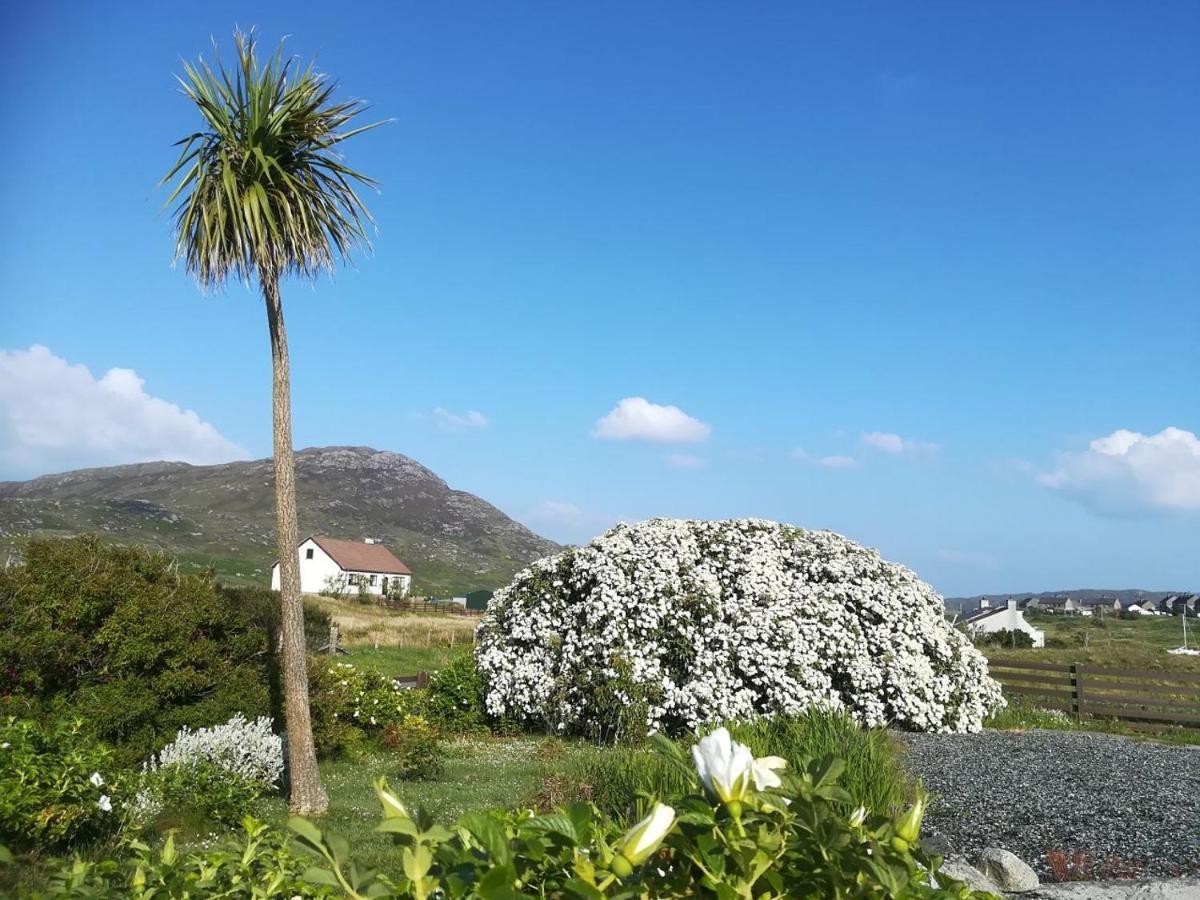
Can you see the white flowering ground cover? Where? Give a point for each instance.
(686, 622)
(248, 751)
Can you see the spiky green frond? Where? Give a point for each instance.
(262, 189)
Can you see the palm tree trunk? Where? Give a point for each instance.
(307, 795)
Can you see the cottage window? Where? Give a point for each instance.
(372, 581)
(308, 554)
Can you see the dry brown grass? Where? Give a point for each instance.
(369, 625)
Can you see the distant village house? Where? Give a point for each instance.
(327, 563)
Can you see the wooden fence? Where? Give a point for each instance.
(424, 605)
(1145, 699)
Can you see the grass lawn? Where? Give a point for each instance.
(396, 661)
(481, 772)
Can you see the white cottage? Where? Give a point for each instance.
(1005, 618)
(330, 564)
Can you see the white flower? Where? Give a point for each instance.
(725, 766)
(96, 779)
(763, 771)
(858, 817)
(104, 803)
(774, 619)
(643, 838)
(249, 750)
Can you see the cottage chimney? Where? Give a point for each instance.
(1012, 603)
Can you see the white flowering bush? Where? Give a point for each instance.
(670, 624)
(217, 771)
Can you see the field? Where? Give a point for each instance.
(370, 625)
(1140, 643)
(1111, 642)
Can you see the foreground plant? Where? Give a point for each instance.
(727, 838)
(264, 194)
(795, 836)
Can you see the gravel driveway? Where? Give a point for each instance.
(1132, 806)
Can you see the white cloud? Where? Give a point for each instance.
(894, 444)
(828, 462)
(684, 461)
(471, 420)
(1128, 473)
(56, 416)
(637, 419)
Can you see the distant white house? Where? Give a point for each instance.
(328, 563)
(1004, 618)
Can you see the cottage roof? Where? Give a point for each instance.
(358, 556)
(984, 613)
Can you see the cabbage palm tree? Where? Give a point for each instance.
(263, 193)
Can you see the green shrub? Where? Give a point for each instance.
(1018, 639)
(349, 705)
(455, 700)
(261, 864)
(262, 608)
(199, 793)
(57, 786)
(418, 749)
(118, 637)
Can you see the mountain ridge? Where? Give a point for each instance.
(222, 516)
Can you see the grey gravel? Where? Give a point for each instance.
(1133, 807)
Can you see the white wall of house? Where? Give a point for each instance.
(1008, 619)
(318, 572)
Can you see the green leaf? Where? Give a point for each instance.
(498, 884)
(318, 875)
(306, 830)
(489, 834)
(398, 826)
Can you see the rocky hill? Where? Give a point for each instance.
(223, 516)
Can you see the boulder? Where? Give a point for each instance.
(961, 870)
(935, 843)
(1007, 870)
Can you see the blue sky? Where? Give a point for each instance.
(904, 270)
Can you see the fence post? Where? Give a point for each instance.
(333, 640)
(422, 679)
(1076, 690)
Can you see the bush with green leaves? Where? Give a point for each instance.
(120, 638)
(455, 697)
(57, 786)
(417, 749)
(350, 705)
(262, 607)
(262, 863)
